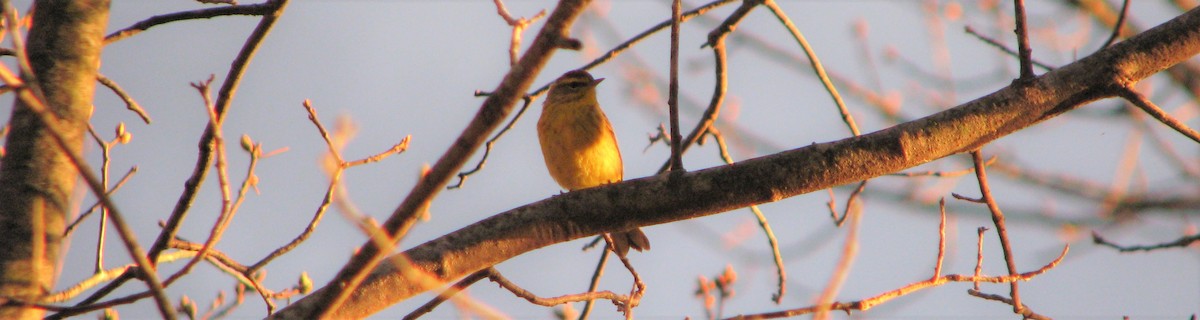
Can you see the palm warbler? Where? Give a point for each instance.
(579, 146)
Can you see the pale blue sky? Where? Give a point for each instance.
(400, 68)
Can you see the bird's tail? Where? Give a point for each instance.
(635, 239)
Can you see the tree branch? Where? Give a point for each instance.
(495, 109)
(668, 198)
(47, 127)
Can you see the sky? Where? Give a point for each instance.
(400, 68)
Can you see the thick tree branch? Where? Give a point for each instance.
(1185, 74)
(36, 176)
(358, 303)
(674, 197)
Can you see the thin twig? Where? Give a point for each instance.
(217, 259)
(102, 276)
(968, 140)
(334, 147)
(518, 26)
(262, 9)
(1093, 191)
(492, 112)
(216, 255)
(1186, 166)
(772, 242)
(105, 160)
(979, 254)
(886, 106)
(397, 148)
(868, 303)
(1023, 50)
(842, 270)
(1182, 242)
(402, 264)
(595, 283)
(204, 158)
(130, 104)
(308, 229)
(226, 209)
(966, 198)
(851, 203)
(639, 288)
(941, 255)
(673, 89)
(1185, 74)
(1026, 313)
(998, 45)
(495, 276)
(716, 40)
(816, 65)
(1001, 229)
(335, 176)
(612, 53)
(229, 204)
(1117, 28)
(618, 49)
(487, 147)
(238, 271)
(448, 293)
(97, 204)
(1153, 110)
(272, 10)
(815, 62)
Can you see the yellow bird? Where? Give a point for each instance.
(579, 146)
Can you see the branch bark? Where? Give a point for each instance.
(498, 105)
(679, 196)
(36, 178)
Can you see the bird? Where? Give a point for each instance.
(579, 146)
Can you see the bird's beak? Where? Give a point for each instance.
(597, 81)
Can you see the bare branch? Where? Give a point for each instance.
(1023, 52)
(225, 96)
(1182, 242)
(448, 293)
(495, 276)
(1001, 229)
(129, 102)
(1120, 23)
(673, 89)
(1153, 110)
(971, 31)
(262, 9)
(493, 111)
(656, 200)
(868, 303)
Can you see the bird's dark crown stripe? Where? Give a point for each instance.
(575, 81)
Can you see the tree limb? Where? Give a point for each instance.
(674, 197)
(554, 35)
